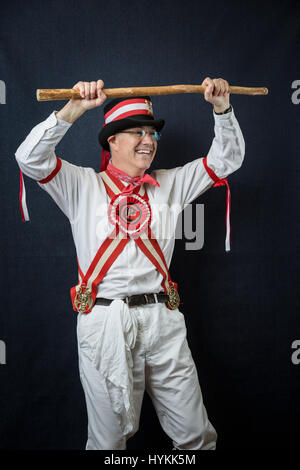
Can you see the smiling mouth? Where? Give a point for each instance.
(144, 152)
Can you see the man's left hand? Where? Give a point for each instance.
(217, 93)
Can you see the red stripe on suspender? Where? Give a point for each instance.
(157, 248)
(54, 172)
(149, 255)
(79, 270)
(99, 253)
(111, 259)
(117, 183)
(108, 190)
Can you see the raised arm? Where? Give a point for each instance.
(36, 156)
(228, 147)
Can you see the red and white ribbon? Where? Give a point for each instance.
(22, 194)
(22, 200)
(222, 182)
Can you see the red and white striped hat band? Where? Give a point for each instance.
(127, 108)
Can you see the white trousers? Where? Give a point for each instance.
(162, 365)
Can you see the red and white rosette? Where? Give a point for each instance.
(130, 213)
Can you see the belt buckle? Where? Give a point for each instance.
(128, 304)
(137, 305)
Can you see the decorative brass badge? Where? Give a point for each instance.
(83, 300)
(174, 299)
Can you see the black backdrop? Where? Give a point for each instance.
(242, 307)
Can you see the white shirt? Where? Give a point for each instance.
(81, 195)
(110, 333)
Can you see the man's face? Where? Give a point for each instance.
(131, 152)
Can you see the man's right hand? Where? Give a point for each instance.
(92, 96)
(91, 93)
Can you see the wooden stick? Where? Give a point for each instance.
(66, 93)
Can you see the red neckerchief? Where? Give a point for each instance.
(133, 182)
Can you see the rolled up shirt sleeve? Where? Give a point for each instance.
(225, 156)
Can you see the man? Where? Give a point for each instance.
(131, 334)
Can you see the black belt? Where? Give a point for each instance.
(136, 300)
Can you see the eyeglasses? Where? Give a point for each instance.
(140, 134)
